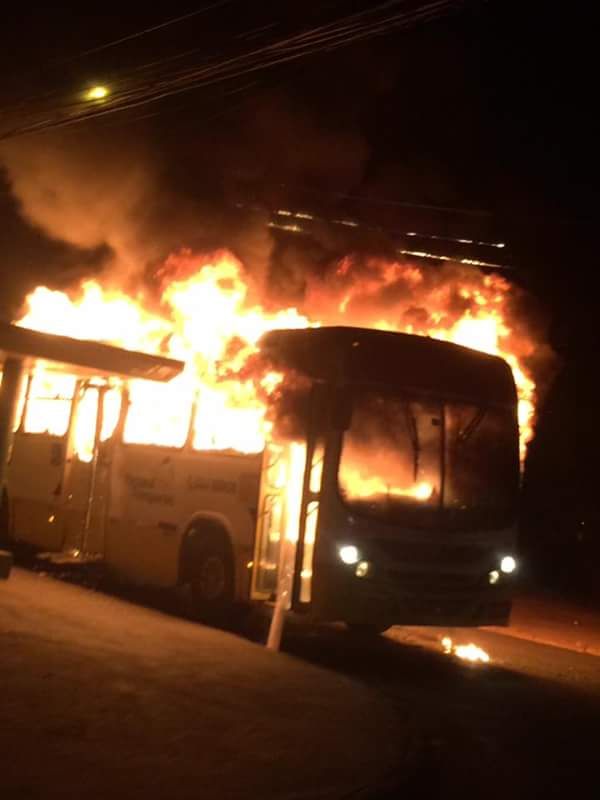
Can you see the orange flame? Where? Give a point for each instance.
(359, 486)
(205, 317)
(467, 652)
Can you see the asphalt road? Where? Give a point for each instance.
(527, 724)
(112, 698)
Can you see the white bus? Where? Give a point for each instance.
(388, 494)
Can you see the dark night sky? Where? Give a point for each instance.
(490, 109)
(506, 86)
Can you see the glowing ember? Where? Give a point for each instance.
(423, 491)
(468, 652)
(202, 314)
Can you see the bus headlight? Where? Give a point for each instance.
(493, 576)
(349, 554)
(362, 569)
(508, 565)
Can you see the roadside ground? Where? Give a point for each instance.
(102, 698)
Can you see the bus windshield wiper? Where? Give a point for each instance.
(472, 426)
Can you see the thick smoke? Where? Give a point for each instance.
(136, 194)
(85, 191)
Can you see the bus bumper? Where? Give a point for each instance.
(378, 601)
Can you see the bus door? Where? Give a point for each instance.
(38, 459)
(86, 474)
(313, 590)
(275, 538)
(305, 567)
(289, 511)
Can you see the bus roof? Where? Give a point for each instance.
(83, 357)
(397, 360)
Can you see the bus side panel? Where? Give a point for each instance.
(156, 492)
(141, 536)
(34, 485)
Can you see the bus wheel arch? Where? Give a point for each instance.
(207, 569)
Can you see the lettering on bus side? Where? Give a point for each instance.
(143, 488)
(195, 483)
(139, 482)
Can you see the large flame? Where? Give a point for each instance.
(202, 313)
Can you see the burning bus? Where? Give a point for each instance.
(386, 492)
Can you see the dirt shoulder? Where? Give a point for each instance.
(551, 620)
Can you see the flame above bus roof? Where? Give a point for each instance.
(83, 356)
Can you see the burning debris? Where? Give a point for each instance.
(467, 652)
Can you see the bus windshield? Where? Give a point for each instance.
(412, 458)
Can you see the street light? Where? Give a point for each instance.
(97, 93)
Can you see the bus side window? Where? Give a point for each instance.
(48, 406)
(111, 412)
(84, 431)
(158, 414)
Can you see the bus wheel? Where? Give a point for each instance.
(367, 630)
(211, 579)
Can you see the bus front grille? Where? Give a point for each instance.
(433, 583)
(434, 553)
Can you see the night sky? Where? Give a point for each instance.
(488, 110)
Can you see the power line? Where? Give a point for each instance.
(132, 36)
(160, 26)
(321, 37)
(332, 35)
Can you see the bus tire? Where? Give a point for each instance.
(367, 630)
(210, 575)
